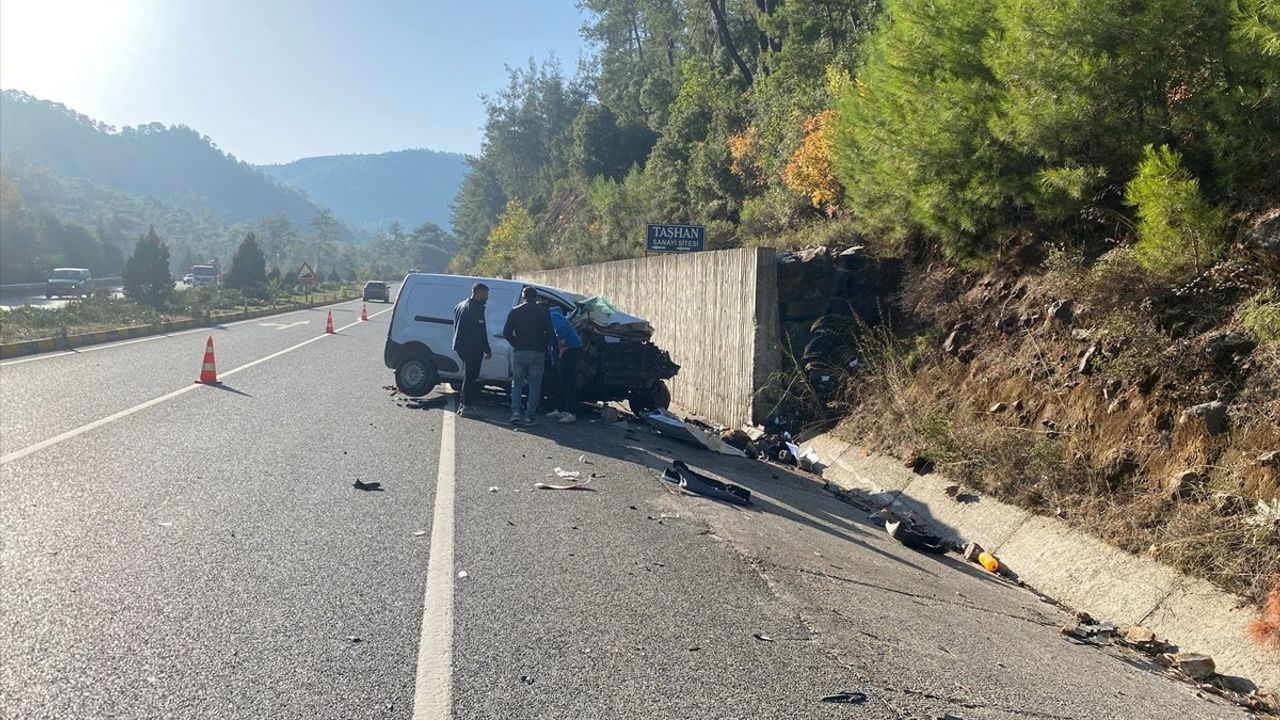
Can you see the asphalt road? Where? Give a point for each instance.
(182, 551)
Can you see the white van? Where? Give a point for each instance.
(420, 339)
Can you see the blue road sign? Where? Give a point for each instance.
(675, 238)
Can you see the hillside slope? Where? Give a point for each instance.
(409, 186)
(173, 164)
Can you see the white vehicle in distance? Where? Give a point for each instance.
(204, 275)
(188, 279)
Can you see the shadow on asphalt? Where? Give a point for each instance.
(228, 388)
(776, 490)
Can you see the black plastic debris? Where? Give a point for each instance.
(911, 534)
(846, 698)
(680, 474)
(367, 486)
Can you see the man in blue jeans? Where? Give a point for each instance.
(528, 329)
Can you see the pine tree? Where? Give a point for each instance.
(248, 266)
(146, 273)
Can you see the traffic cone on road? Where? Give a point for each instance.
(328, 324)
(208, 371)
(364, 312)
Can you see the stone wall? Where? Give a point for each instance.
(715, 312)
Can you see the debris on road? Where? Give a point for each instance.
(989, 562)
(353, 639)
(846, 698)
(438, 401)
(669, 425)
(493, 488)
(1196, 666)
(367, 486)
(763, 638)
(566, 474)
(584, 485)
(972, 551)
(690, 481)
(527, 679)
(462, 574)
(910, 533)
(419, 533)
(583, 459)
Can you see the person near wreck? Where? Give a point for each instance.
(529, 331)
(568, 355)
(471, 343)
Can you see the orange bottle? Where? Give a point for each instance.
(989, 561)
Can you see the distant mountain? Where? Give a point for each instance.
(175, 165)
(411, 186)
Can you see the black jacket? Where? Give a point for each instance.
(529, 328)
(470, 334)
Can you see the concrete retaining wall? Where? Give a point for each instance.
(1068, 565)
(715, 312)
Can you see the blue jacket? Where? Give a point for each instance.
(564, 329)
(470, 333)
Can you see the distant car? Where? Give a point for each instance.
(204, 275)
(67, 282)
(377, 290)
(188, 279)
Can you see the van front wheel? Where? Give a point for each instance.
(415, 376)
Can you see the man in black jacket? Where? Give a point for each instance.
(529, 330)
(471, 342)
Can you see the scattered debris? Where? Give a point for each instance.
(846, 698)
(972, 551)
(526, 679)
(566, 474)
(462, 574)
(353, 639)
(583, 459)
(165, 524)
(989, 562)
(570, 486)
(910, 533)
(763, 638)
(810, 461)
(438, 401)
(419, 533)
(690, 481)
(493, 488)
(667, 424)
(367, 486)
(951, 490)
(1196, 666)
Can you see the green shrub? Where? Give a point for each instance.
(1260, 316)
(1178, 230)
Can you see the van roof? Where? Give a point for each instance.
(575, 297)
(71, 268)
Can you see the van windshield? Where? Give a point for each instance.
(66, 275)
(202, 270)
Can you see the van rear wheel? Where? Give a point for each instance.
(416, 376)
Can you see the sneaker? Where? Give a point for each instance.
(516, 419)
(531, 420)
(555, 415)
(568, 418)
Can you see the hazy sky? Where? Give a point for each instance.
(276, 80)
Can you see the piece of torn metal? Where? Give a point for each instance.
(584, 485)
(691, 481)
(671, 426)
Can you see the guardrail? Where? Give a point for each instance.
(17, 288)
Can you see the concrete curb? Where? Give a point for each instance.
(67, 342)
(1066, 564)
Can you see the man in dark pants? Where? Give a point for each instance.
(471, 343)
(570, 354)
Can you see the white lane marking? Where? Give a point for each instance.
(16, 454)
(284, 326)
(433, 688)
(122, 343)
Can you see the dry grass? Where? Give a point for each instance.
(1096, 451)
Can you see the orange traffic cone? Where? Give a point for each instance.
(328, 325)
(364, 312)
(208, 371)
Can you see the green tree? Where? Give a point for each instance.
(509, 248)
(334, 277)
(325, 233)
(1177, 229)
(146, 273)
(475, 212)
(248, 266)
